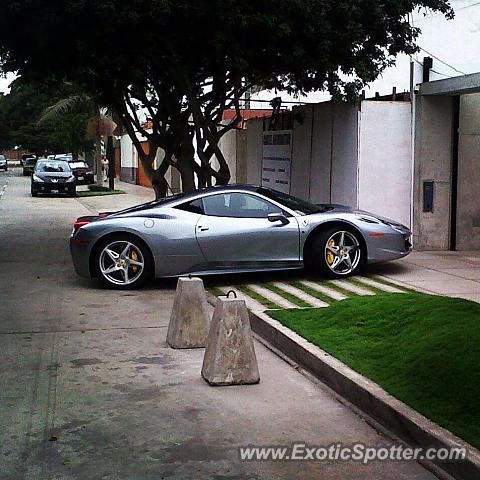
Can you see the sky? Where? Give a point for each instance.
(5, 82)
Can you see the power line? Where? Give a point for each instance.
(432, 70)
(440, 73)
(441, 61)
(410, 19)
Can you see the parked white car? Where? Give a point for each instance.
(3, 163)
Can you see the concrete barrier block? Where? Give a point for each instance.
(230, 355)
(190, 319)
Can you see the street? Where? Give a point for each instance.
(90, 389)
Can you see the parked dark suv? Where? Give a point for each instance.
(29, 165)
(25, 156)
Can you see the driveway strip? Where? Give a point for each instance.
(314, 302)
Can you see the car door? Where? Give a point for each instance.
(234, 231)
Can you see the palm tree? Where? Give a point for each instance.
(96, 127)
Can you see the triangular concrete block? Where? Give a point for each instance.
(190, 319)
(230, 355)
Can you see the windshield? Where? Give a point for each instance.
(53, 167)
(298, 205)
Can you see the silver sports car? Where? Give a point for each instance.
(227, 229)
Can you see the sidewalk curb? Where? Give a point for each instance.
(400, 419)
(396, 416)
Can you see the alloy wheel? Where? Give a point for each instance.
(342, 253)
(121, 262)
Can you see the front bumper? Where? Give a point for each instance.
(390, 246)
(46, 187)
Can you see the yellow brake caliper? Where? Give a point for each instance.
(134, 257)
(330, 255)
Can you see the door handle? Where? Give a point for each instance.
(203, 229)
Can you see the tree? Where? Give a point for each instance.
(21, 110)
(184, 62)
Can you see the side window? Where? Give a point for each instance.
(194, 206)
(238, 205)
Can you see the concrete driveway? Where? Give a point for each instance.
(454, 274)
(89, 389)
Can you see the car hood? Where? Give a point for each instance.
(339, 209)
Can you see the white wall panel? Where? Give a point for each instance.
(385, 165)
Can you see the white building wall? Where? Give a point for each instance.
(254, 149)
(301, 151)
(320, 187)
(344, 155)
(359, 157)
(128, 153)
(385, 165)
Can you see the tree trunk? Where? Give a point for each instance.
(186, 165)
(188, 177)
(159, 183)
(98, 161)
(157, 176)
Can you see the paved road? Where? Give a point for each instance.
(89, 389)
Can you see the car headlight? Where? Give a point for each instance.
(397, 227)
(36, 178)
(71, 179)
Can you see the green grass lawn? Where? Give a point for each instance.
(423, 349)
(96, 193)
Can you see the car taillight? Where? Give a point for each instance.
(80, 223)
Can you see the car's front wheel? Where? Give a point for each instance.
(123, 262)
(337, 252)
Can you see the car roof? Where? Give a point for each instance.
(221, 188)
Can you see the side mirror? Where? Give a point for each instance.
(278, 217)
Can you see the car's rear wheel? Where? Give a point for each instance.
(123, 262)
(337, 252)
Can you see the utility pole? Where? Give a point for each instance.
(98, 147)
